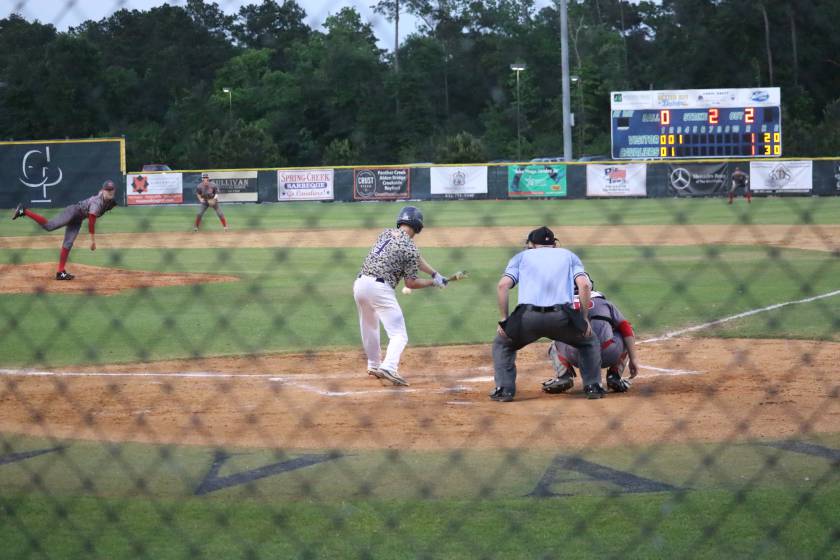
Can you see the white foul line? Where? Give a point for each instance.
(672, 334)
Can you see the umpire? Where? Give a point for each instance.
(546, 276)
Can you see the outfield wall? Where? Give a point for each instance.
(57, 173)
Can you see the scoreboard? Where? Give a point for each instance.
(695, 123)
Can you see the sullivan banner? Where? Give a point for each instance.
(56, 173)
(305, 184)
(459, 182)
(697, 179)
(157, 188)
(234, 186)
(387, 183)
(536, 180)
(616, 180)
(781, 176)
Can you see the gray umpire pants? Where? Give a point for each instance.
(69, 218)
(524, 327)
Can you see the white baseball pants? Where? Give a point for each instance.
(376, 302)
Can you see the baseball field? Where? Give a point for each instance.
(204, 395)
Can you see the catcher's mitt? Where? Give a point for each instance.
(617, 384)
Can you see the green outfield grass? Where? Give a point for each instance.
(295, 299)
(524, 213)
(121, 500)
(101, 500)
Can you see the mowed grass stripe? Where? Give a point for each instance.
(804, 211)
(294, 299)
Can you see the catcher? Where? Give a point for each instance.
(618, 348)
(208, 196)
(71, 219)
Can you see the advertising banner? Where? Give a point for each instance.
(458, 182)
(156, 188)
(536, 180)
(234, 186)
(781, 176)
(695, 179)
(56, 173)
(616, 180)
(305, 184)
(381, 183)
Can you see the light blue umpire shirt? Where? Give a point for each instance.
(546, 275)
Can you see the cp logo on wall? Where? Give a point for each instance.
(37, 172)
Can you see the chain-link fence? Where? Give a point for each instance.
(209, 384)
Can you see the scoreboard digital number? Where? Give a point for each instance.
(717, 123)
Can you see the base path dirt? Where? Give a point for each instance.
(816, 237)
(688, 390)
(94, 280)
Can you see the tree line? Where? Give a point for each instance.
(302, 96)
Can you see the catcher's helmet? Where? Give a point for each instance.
(411, 216)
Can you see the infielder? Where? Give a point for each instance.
(546, 276)
(618, 349)
(207, 194)
(740, 180)
(71, 219)
(394, 256)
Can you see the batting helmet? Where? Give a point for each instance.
(411, 216)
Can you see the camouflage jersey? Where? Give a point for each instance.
(208, 191)
(95, 205)
(394, 256)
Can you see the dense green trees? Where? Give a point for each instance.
(303, 96)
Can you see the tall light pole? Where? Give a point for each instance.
(564, 67)
(518, 67)
(228, 91)
(575, 80)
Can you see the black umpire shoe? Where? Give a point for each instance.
(19, 211)
(594, 391)
(63, 275)
(500, 394)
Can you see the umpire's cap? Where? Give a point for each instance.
(542, 236)
(108, 185)
(411, 216)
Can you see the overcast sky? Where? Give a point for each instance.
(67, 13)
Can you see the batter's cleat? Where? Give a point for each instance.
(19, 212)
(392, 376)
(559, 384)
(616, 384)
(594, 391)
(63, 275)
(374, 372)
(501, 394)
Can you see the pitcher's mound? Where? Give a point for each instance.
(40, 278)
